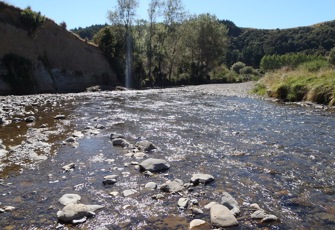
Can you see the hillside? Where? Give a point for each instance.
(47, 58)
(250, 45)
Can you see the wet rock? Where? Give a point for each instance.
(151, 185)
(120, 142)
(77, 134)
(268, 218)
(73, 212)
(59, 117)
(196, 223)
(9, 208)
(172, 186)
(254, 206)
(145, 146)
(69, 167)
(228, 201)
(222, 217)
(99, 126)
(129, 192)
(259, 214)
(116, 136)
(70, 140)
(69, 199)
(30, 119)
(139, 155)
(154, 165)
(110, 179)
(2, 210)
(158, 196)
(201, 179)
(183, 202)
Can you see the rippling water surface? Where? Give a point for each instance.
(279, 156)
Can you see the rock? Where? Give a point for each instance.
(183, 202)
(129, 192)
(59, 117)
(201, 179)
(30, 119)
(140, 155)
(254, 206)
(9, 208)
(69, 199)
(114, 193)
(259, 214)
(116, 136)
(3, 153)
(222, 217)
(269, 218)
(110, 179)
(76, 211)
(151, 185)
(172, 186)
(154, 165)
(2, 210)
(120, 142)
(99, 126)
(210, 204)
(158, 196)
(68, 167)
(196, 223)
(196, 211)
(71, 140)
(228, 201)
(146, 146)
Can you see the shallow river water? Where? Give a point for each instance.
(279, 156)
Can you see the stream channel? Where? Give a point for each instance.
(280, 156)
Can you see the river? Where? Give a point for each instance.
(279, 156)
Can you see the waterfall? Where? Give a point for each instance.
(128, 74)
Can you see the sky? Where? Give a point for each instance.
(260, 14)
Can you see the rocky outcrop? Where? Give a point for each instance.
(60, 60)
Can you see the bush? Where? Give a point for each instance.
(31, 19)
(236, 67)
(314, 66)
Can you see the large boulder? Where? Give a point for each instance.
(222, 217)
(72, 212)
(154, 165)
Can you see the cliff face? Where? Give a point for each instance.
(59, 60)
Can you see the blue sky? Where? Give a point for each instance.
(261, 14)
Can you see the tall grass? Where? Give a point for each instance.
(309, 82)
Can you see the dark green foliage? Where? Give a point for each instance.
(250, 45)
(63, 25)
(236, 67)
(88, 32)
(19, 74)
(31, 19)
(274, 62)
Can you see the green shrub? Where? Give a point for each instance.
(63, 25)
(331, 57)
(236, 67)
(31, 19)
(315, 65)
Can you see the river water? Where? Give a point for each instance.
(279, 156)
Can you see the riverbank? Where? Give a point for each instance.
(299, 85)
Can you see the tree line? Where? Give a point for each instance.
(172, 47)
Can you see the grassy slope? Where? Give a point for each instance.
(300, 85)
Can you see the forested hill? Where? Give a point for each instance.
(250, 45)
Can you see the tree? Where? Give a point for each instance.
(124, 14)
(153, 13)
